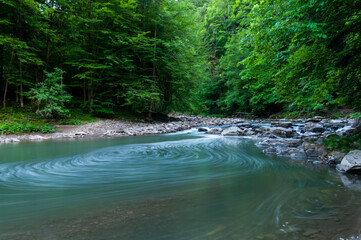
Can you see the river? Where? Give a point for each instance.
(172, 186)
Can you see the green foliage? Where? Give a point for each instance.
(70, 122)
(50, 95)
(15, 127)
(355, 115)
(102, 109)
(345, 144)
(337, 115)
(15, 120)
(299, 54)
(198, 56)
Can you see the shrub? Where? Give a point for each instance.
(50, 95)
(15, 127)
(345, 144)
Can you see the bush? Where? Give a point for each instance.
(344, 144)
(354, 115)
(15, 127)
(50, 95)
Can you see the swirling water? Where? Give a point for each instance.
(174, 186)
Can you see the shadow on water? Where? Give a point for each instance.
(175, 186)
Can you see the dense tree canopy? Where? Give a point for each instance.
(199, 56)
(298, 55)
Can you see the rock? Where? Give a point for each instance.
(291, 152)
(351, 162)
(327, 134)
(347, 130)
(357, 125)
(335, 157)
(249, 133)
(11, 140)
(282, 124)
(282, 132)
(36, 137)
(311, 136)
(314, 127)
(315, 150)
(232, 131)
(281, 142)
(353, 129)
(202, 129)
(109, 133)
(315, 119)
(310, 232)
(245, 125)
(337, 121)
(80, 134)
(270, 150)
(214, 131)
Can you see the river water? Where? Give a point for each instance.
(173, 186)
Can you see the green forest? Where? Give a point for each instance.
(192, 56)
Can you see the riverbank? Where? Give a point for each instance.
(121, 128)
(301, 139)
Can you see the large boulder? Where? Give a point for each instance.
(351, 162)
(232, 131)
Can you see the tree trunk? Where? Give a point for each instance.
(84, 90)
(7, 79)
(36, 76)
(48, 44)
(47, 57)
(154, 77)
(90, 97)
(1, 65)
(17, 93)
(89, 48)
(21, 83)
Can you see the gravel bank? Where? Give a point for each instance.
(118, 128)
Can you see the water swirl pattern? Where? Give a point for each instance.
(174, 186)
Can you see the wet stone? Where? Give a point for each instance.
(310, 232)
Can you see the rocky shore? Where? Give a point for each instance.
(119, 128)
(300, 139)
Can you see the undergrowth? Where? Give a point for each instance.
(344, 144)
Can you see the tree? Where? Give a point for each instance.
(50, 95)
